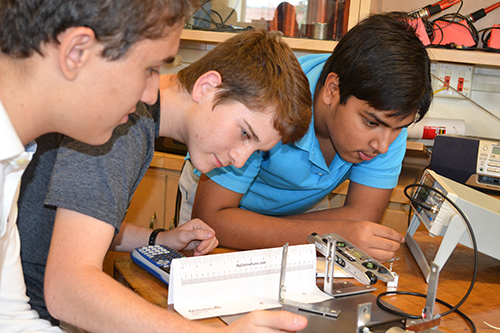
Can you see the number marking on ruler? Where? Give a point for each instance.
(237, 265)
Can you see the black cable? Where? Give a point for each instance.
(417, 179)
(222, 23)
(474, 275)
(433, 25)
(446, 18)
(430, 27)
(228, 16)
(469, 227)
(485, 37)
(218, 26)
(379, 303)
(209, 15)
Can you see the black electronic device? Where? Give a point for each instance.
(472, 161)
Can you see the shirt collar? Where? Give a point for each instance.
(11, 144)
(313, 66)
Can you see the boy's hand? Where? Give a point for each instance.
(194, 235)
(376, 240)
(260, 321)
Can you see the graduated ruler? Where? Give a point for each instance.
(238, 282)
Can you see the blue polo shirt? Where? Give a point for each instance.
(290, 179)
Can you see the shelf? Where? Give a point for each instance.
(465, 56)
(320, 46)
(304, 44)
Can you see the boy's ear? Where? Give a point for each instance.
(75, 50)
(206, 84)
(330, 93)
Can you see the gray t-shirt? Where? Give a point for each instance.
(97, 181)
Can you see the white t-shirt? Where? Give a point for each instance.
(15, 312)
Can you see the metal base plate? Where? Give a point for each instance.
(347, 320)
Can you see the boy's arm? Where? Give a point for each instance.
(77, 291)
(242, 229)
(194, 235)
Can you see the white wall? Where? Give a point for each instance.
(486, 93)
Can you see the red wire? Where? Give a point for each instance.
(492, 7)
(446, 3)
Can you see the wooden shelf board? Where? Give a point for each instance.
(313, 45)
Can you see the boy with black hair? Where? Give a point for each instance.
(374, 84)
(224, 107)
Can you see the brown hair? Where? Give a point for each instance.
(259, 70)
(118, 24)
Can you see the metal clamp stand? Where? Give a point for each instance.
(430, 301)
(314, 308)
(429, 320)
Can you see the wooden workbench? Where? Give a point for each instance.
(482, 305)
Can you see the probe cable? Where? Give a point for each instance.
(222, 23)
(417, 179)
(451, 308)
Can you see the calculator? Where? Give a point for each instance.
(156, 260)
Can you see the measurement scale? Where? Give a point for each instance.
(236, 265)
(228, 283)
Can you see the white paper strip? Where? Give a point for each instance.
(238, 282)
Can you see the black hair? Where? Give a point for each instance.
(25, 25)
(383, 62)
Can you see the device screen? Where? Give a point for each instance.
(423, 193)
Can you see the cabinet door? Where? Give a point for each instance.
(147, 208)
(171, 196)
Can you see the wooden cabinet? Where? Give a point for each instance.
(153, 203)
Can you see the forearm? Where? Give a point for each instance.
(92, 300)
(130, 237)
(77, 291)
(240, 223)
(242, 229)
(344, 213)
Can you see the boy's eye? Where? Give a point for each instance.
(244, 133)
(153, 71)
(370, 123)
